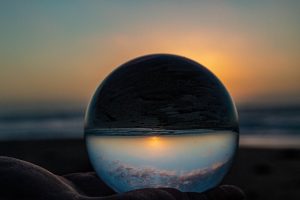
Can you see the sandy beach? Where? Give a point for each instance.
(263, 173)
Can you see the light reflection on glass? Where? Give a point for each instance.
(187, 162)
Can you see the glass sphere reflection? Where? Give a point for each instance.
(161, 121)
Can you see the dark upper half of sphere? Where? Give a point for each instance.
(161, 91)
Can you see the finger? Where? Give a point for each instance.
(89, 184)
(143, 194)
(224, 192)
(221, 193)
(25, 180)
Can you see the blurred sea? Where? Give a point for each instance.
(277, 126)
(259, 126)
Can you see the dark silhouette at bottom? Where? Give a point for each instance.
(23, 180)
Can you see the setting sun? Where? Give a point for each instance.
(156, 146)
(154, 141)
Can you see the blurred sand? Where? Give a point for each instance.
(261, 173)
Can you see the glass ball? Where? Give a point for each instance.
(161, 121)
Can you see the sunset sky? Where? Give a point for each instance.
(59, 51)
(199, 151)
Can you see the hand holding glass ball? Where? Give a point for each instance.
(161, 121)
(156, 125)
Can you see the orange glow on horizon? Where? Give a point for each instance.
(156, 145)
(253, 56)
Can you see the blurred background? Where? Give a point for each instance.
(54, 54)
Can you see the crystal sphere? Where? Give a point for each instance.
(161, 121)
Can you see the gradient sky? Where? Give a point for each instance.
(163, 152)
(59, 51)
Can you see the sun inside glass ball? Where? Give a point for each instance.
(161, 121)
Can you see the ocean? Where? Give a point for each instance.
(259, 126)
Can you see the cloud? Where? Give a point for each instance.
(132, 177)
